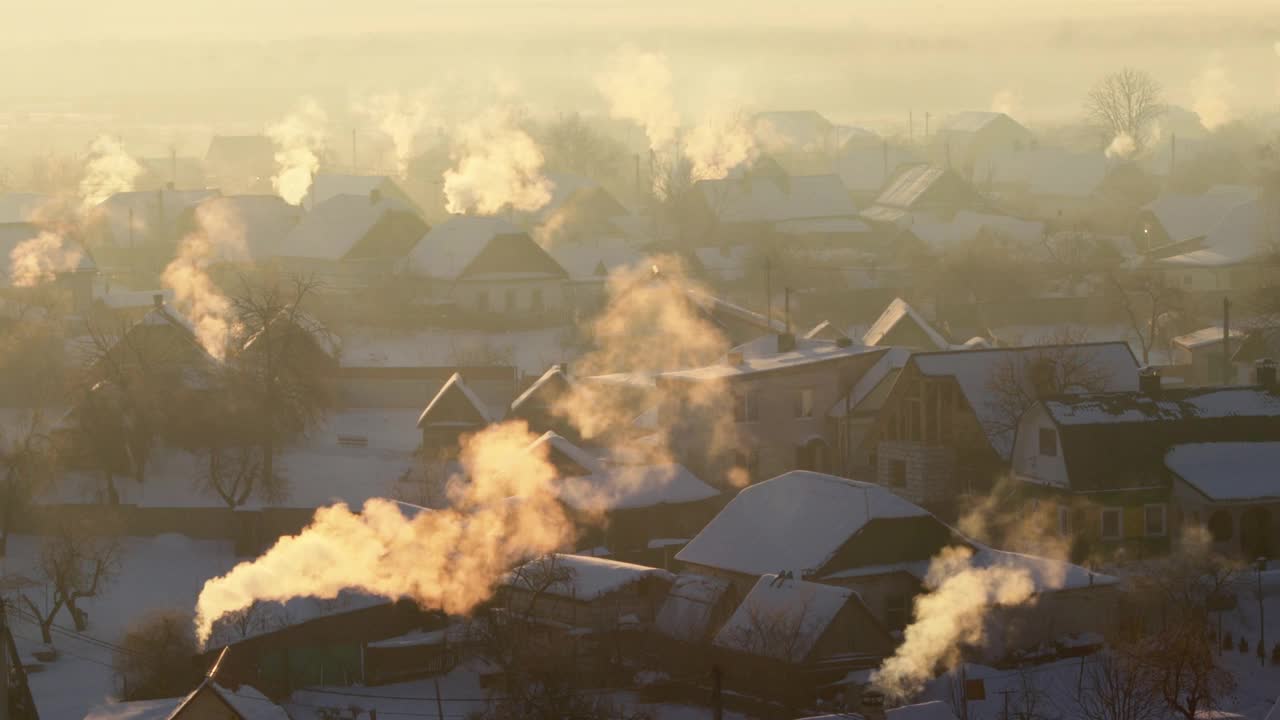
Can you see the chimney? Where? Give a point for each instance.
(734, 358)
(375, 196)
(1265, 369)
(844, 342)
(871, 705)
(158, 300)
(786, 342)
(1149, 381)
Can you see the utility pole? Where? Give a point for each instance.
(768, 293)
(1262, 618)
(911, 125)
(4, 665)
(717, 702)
(786, 300)
(439, 702)
(926, 126)
(353, 151)
(1226, 341)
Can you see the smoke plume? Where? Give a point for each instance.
(504, 513)
(497, 166)
(1211, 89)
(716, 146)
(40, 259)
(952, 614)
(1007, 101)
(637, 86)
(402, 118)
(110, 170)
(299, 139)
(219, 235)
(1122, 146)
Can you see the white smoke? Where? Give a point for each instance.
(402, 118)
(40, 259)
(219, 235)
(718, 145)
(1122, 146)
(110, 170)
(1007, 101)
(952, 614)
(504, 512)
(299, 139)
(637, 86)
(497, 165)
(1212, 89)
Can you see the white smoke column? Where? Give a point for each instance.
(1007, 101)
(299, 140)
(219, 235)
(496, 166)
(718, 145)
(637, 86)
(1211, 89)
(506, 513)
(951, 615)
(110, 170)
(402, 118)
(1122, 146)
(40, 259)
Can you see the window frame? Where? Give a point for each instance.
(1065, 521)
(750, 411)
(1164, 519)
(804, 403)
(1102, 523)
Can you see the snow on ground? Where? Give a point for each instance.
(161, 572)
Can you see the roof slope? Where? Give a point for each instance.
(900, 311)
(265, 221)
(327, 186)
(335, 228)
(919, 186)
(456, 404)
(449, 247)
(795, 522)
(689, 610)
(1229, 471)
(589, 578)
(782, 618)
(1185, 217)
(1172, 404)
(1246, 232)
(760, 198)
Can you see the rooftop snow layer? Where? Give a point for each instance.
(593, 577)
(804, 608)
(1229, 471)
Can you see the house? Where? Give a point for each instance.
(803, 130)
(966, 139)
(1203, 357)
(455, 411)
(490, 269)
(75, 281)
(129, 224)
(833, 531)
(750, 206)
(1232, 490)
(259, 224)
(580, 210)
(595, 595)
(637, 507)
(695, 609)
(946, 427)
(1214, 244)
(921, 191)
(352, 240)
(537, 405)
(326, 186)
(1047, 182)
(1102, 458)
(240, 163)
(589, 265)
(855, 414)
(866, 168)
(779, 398)
(1006, 232)
(901, 325)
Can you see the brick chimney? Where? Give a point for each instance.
(158, 300)
(1149, 381)
(871, 704)
(1265, 372)
(786, 342)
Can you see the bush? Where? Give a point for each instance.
(157, 656)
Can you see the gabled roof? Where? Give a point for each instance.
(544, 391)
(975, 369)
(513, 255)
(794, 522)
(783, 618)
(1186, 217)
(919, 185)
(865, 167)
(1244, 233)
(689, 610)
(869, 393)
(590, 578)
(1206, 336)
(327, 186)
(760, 359)
(595, 260)
(147, 207)
(264, 219)
(334, 229)
(900, 311)
(799, 129)
(1229, 471)
(974, 121)
(764, 198)
(468, 245)
(456, 405)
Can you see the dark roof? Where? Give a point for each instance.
(456, 405)
(514, 253)
(922, 185)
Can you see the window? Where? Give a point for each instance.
(511, 300)
(482, 301)
(1153, 519)
(1048, 442)
(897, 473)
(895, 612)
(804, 403)
(535, 300)
(744, 407)
(1112, 525)
(1064, 520)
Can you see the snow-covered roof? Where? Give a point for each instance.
(335, 226)
(455, 386)
(883, 371)
(590, 578)
(967, 225)
(1172, 404)
(596, 259)
(1244, 233)
(1229, 471)
(250, 704)
(972, 121)
(783, 618)
(863, 167)
(1185, 217)
(449, 247)
(689, 609)
(910, 185)
(1206, 336)
(793, 522)
(137, 710)
(325, 187)
(265, 220)
(897, 311)
(21, 207)
(799, 129)
(764, 198)
(975, 369)
(806, 352)
(554, 376)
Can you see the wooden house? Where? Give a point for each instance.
(455, 411)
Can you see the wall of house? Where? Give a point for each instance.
(1083, 516)
(882, 593)
(1054, 616)
(641, 599)
(853, 630)
(512, 296)
(1239, 540)
(930, 470)
(1027, 460)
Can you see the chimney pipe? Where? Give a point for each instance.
(1149, 381)
(158, 300)
(1265, 369)
(786, 342)
(871, 705)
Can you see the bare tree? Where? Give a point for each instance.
(1115, 688)
(282, 364)
(259, 617)
(1128, 103)
(1149, 305)
(573, 146)
(1020, 378)
(77, 561)
(155, 658)
(784, 634)
(26, 464)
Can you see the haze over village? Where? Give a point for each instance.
(591, 360)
